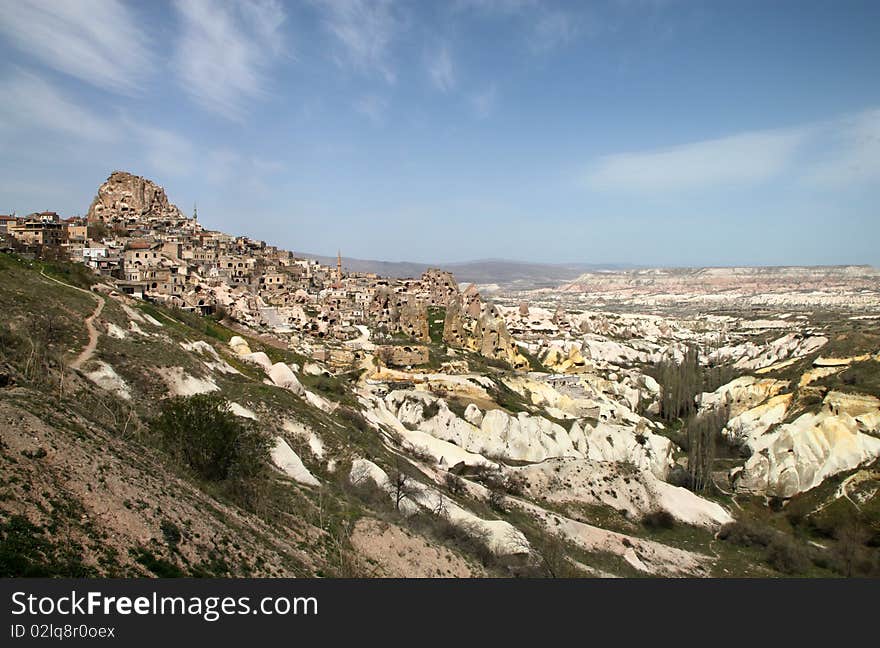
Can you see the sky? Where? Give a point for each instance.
(664, 132)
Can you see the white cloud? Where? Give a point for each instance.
(33, 108)
(373, 107)
(97, 41)
(224, 50)
(28, 101)
(827, 155)
(442, 70)
(364, 31)
(743, 158)
(484, 102)
(852, 155)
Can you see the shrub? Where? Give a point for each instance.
(454, 484)
(156, 564)
(511, 483)
(514, 484)
(329, 385)
(787, 556)
(659, 519)
(852, 558)
(171, 532)
(201, 432)
(430, 410)
(746, 534)
(553, 554)
(498, 501)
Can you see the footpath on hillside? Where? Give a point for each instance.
(89, 349)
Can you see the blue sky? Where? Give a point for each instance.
(649, 132)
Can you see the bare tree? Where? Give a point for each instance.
(402, 484)
(850, 548)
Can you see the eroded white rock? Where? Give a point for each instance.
(290, 464)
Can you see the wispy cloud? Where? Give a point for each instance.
(169, 153)
(224, 50)
(545, 27)
(483, 102)
(363, 31)
(743, 158)
(827, 155)
(852, 154)
(442, 70)
(36, 108)
(33, 109)
(31, 102)
(373, 107)
(496, 6)
(97, 41)
(553, 29)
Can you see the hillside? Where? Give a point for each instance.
(89, 489)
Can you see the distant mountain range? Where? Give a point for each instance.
(505, 273)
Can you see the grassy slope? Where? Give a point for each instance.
(103, 499)
(100, 455)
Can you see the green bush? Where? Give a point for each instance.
(29, 550)
(328, 384)
(431, 410)
(201, 432)
(787, 556)
(659, 519)
(746, 534)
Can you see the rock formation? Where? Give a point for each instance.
(440, 286)
(473, 304)
(413, 321)
(491, 339)
(455, 332)
(125, 196)
(799, 455)
(559, 360)
(384, 306)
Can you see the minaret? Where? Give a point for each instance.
(339, 265)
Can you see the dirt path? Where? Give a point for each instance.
(89, 348)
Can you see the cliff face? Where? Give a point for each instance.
(125, 195)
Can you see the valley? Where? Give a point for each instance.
(676, 423)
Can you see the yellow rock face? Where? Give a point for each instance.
(840, 362)
(777, 366)
(812, 375)
(558, 361)
(553, 358)
(852, 404)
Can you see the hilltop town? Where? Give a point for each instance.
(149, 249)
